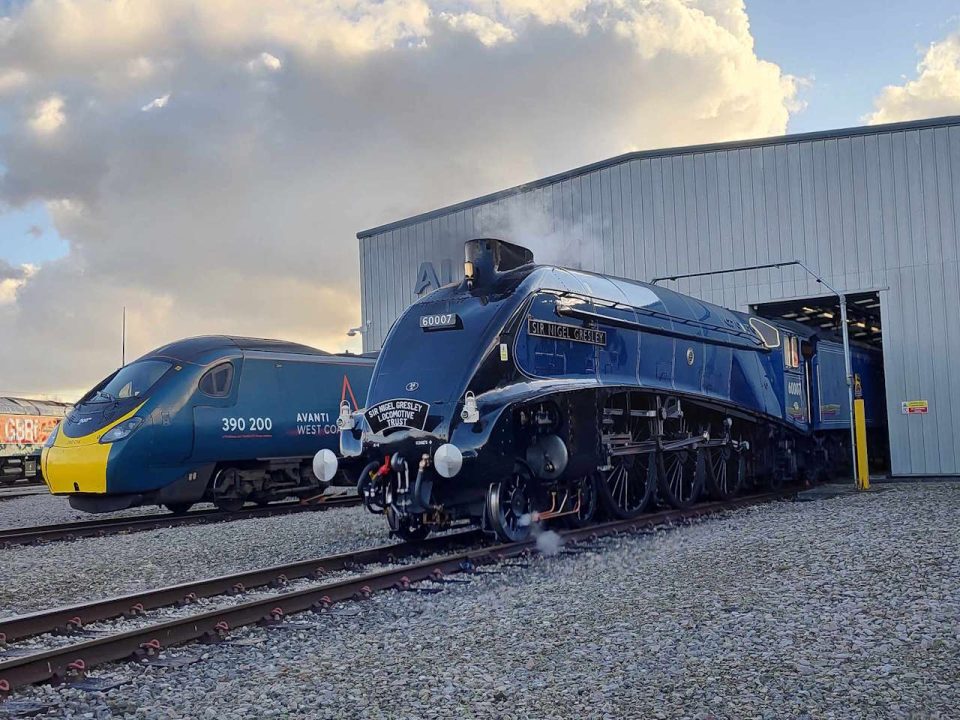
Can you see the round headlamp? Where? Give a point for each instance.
(448, 460)
(325, 465)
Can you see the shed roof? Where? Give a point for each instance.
(665, 152)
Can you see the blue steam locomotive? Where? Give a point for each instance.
(528, 392)
(215, 418)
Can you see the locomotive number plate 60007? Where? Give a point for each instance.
(440, 321)
(398, 413)
(562, 331)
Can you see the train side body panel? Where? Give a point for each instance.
(283, 406)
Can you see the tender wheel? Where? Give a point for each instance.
(726, 468)
(509, 507)
(406, 527)
(680, 475)
(627, 488)
(585, 488)
(180, 508)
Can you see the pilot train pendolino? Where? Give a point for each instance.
(219, 419)
(527, 393)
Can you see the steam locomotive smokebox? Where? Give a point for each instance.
(490, 256)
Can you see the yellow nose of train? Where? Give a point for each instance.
(79, 464)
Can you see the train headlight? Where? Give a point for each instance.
(448, 460)
(325, 465)
(122, 431)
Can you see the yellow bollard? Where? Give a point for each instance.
(860, 422)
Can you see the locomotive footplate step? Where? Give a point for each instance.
(23, 708)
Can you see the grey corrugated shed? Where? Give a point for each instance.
(872, 208)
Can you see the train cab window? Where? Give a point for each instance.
(216, 381)
(133, 380)
(791, 354)
(768, 334)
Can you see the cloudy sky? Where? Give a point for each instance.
(207, 163)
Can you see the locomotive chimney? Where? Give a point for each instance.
(485, 257)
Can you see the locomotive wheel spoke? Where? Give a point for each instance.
(587, 500)
(509, 507)
(725, 472)
(626, 489)
(680, 476)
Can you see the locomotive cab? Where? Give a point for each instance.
(113, 413)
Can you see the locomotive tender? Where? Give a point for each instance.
(213, 418)
(25, 426)
(526, 393)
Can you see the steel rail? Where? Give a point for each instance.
(75, 617)
(12, 492)
(59, 664)
(93, 528)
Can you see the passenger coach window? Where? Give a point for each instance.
(768, 334)
(217, 380)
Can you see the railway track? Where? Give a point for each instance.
(137, 523)
(462, 553)
(9, 492)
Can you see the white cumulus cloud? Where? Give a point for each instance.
(235, 209)
(265, 62)
(48, 115)
(935, 90)
(156, 103)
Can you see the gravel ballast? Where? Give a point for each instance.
(837, 608)
(46, 509)
(59, 573)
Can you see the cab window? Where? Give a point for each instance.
(791, 351)
(134, 379)
(216, 381)
(768, 334)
